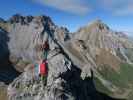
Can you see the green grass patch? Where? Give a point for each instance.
(122, 78)
(100, 87)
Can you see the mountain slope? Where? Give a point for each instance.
(94, 62)
(108, 53)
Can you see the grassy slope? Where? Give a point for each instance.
(122, 79)
(3, 93)
(100, 86)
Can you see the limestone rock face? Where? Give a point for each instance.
(26, 33)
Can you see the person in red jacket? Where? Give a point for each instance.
(43, 70)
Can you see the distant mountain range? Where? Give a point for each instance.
(97, 60)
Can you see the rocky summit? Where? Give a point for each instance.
(94, 63)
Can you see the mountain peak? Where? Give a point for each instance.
(100, 24)
(96, 27)
(96, 21)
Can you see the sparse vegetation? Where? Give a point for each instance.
(129, 53)
(4, 25)
(120, 55)
(3, 93)
(122, 78)
(100, 87)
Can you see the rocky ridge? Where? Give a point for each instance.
(76, 64)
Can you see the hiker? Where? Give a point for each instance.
(40, 68)
(43, 71)
(43, 63)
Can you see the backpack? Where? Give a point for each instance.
(43, 68)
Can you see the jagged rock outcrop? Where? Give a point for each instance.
(20, 19)
(78, 65)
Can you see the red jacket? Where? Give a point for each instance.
(43, 68)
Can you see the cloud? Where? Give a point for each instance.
(118, 7)
(83, 7)
(128, 10)
(72, 6)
